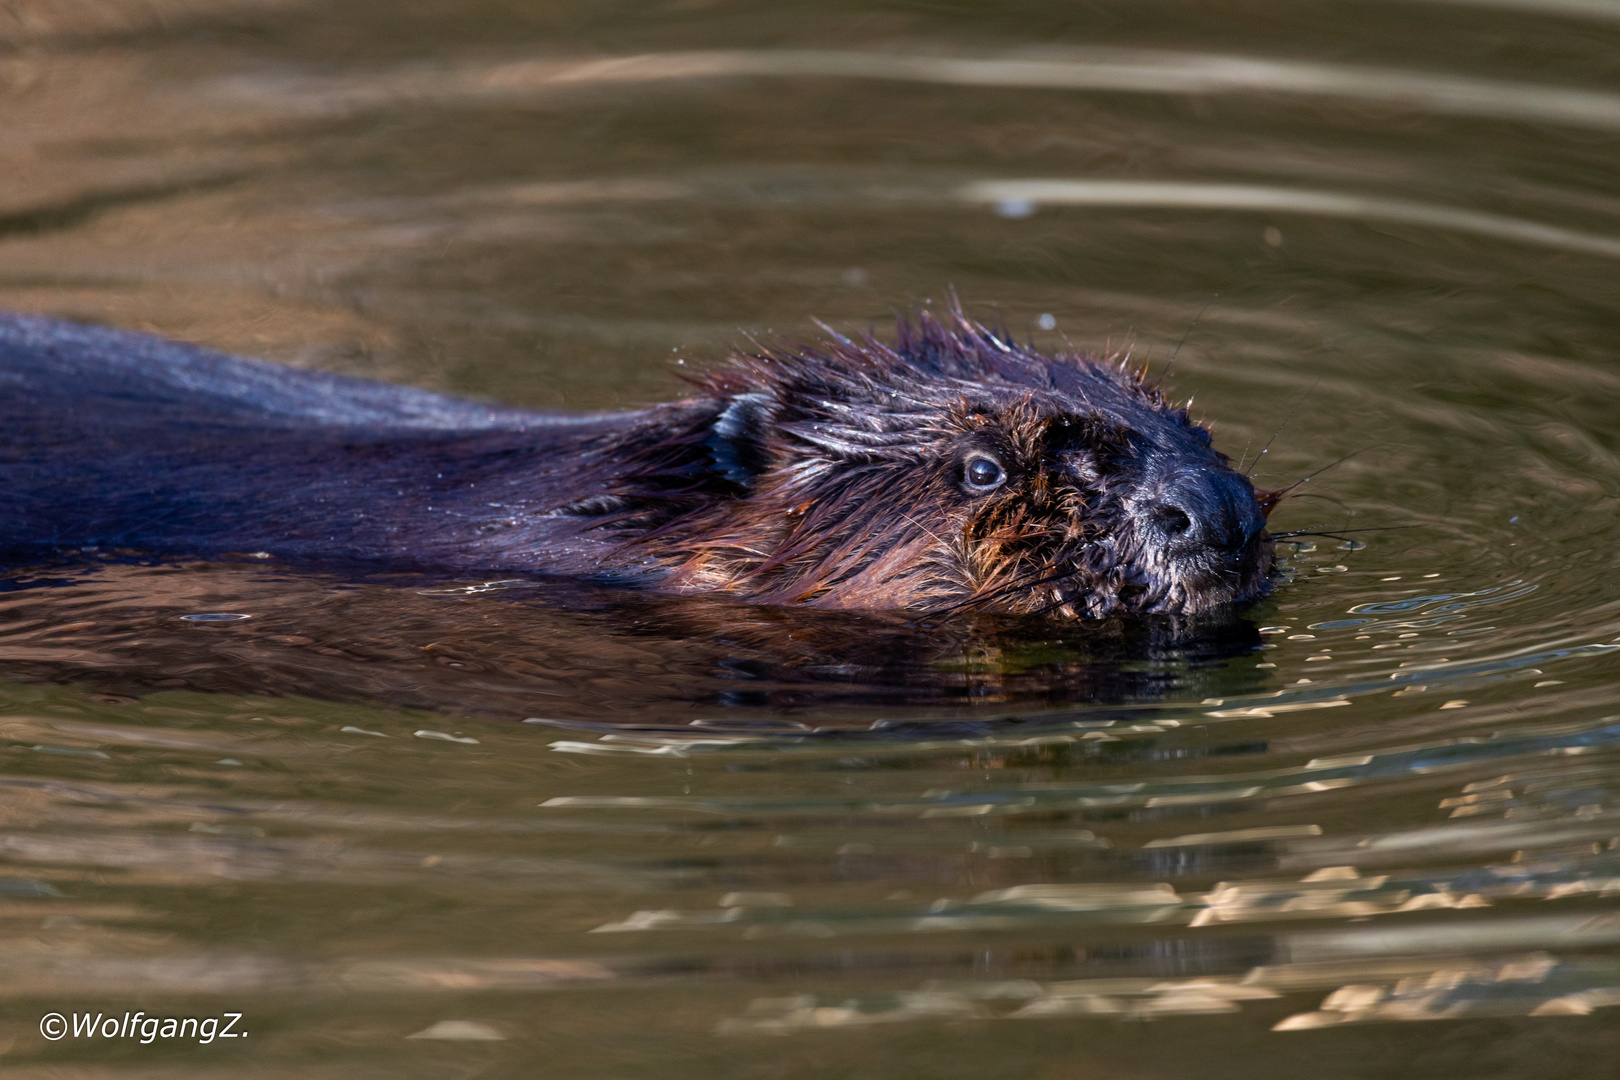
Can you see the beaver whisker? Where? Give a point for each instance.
(1366, 528)
(1293, 407)
(913, 521)
(1340, 503)
(979, 600)
(1338, 534)
(1170, 363)
(1323, 535)
(1269, 499)
(1058, 602)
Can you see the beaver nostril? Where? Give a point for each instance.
(1172, 519)
(1205, 514)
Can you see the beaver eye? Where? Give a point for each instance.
(984, 473)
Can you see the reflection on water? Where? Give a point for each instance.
(421, 827)
(1127, 70)
(1018, 198)
(508, 649)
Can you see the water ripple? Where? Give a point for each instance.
(1142, 71)
(1021, 194)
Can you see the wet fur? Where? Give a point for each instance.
(830, 476)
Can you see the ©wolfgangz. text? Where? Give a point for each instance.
(147, 1029)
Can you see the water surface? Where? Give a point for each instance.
(411, 826)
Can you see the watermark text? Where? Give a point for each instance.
(139, 1026)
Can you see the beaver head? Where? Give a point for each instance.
(952, 470)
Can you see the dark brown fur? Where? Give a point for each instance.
(838, 476)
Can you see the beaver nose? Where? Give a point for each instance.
(1202, 511)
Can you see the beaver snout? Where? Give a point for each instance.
(1202, 538)
(1203, 511)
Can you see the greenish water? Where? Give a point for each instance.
(411, 827)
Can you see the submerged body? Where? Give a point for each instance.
(951, 469)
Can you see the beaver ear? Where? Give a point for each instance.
(737, 438)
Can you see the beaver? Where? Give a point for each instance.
(951, 469)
